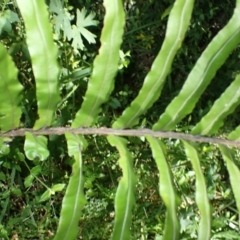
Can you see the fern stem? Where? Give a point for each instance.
(121, 132)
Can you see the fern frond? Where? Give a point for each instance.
(125, 198)
(44, 55)
(177, 26)
(10, 92)
(166, 189)
(201, 75)
(105, 65)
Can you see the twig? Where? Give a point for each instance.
(120, 132)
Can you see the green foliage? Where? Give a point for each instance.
(205, 69)
(166, 189)
(126, 187)
(179, 19)
(36, 147)
(46, 70)
(6, 19)
(74, 199)
(105, 65)
(10, 94)
(219, 114)
(96, 176)
(234, 173)
(62, 21)
(201, 193)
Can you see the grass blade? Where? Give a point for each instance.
(166, 189)
(201, 75)
(125, 198)
(105, 65)
(177, 26)
(234, 174)
(202, 200)
(10, 93)
(223, 106)
(74, 198)
(44, 55)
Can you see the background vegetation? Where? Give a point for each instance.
(25, 212)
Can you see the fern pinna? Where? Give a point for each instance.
(46, 69)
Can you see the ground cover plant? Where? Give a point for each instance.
(60, 178)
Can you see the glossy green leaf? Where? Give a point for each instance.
(46, 195)
(74, 199)
(203, 72)
(177, 26)
(125, 198)
(51, 191)
(204, 231)
(28, 181)
(33, 172)
(35, 147)
(105, 65)
(223, 106)
(44, 55)
(36, 170)
(166, 190)
(10, 92)
(234, 174)
(58, 187)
